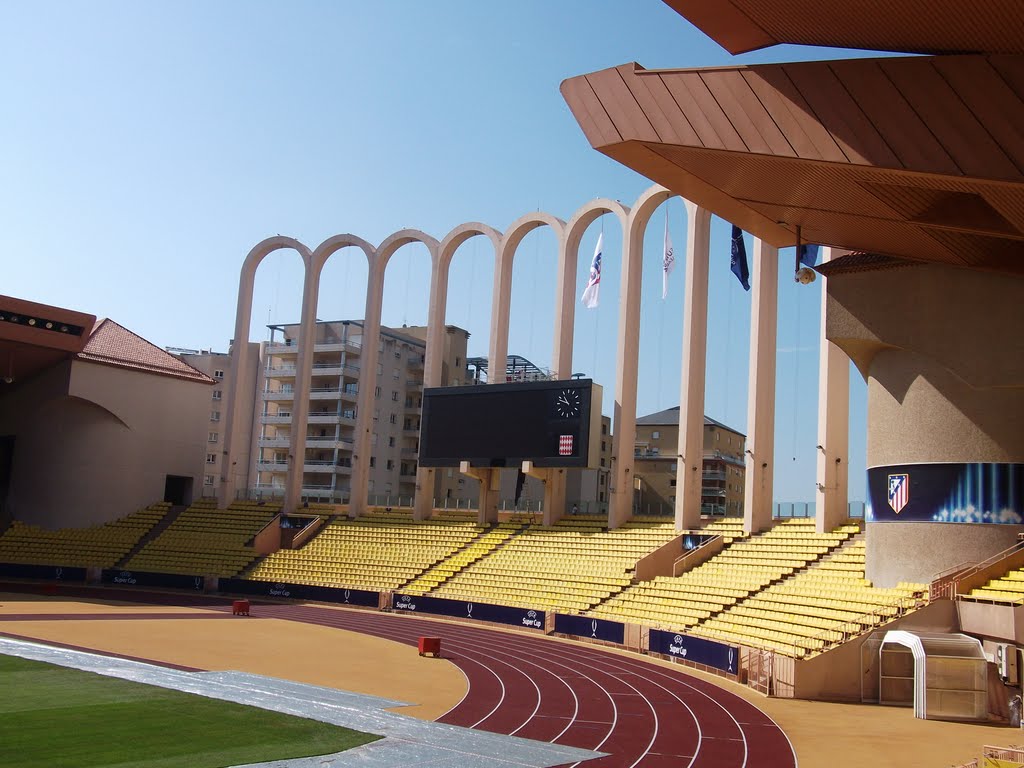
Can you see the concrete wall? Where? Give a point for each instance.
(103, 447)
(943, 354)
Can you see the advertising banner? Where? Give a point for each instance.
(464, 609)
(342, 595)
(47, 572)
(946, 493)
(149, 579)
(584, 626)
(696, 649)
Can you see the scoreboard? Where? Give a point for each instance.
(551, 423)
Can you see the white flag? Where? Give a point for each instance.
(589, 297)
(668, 260)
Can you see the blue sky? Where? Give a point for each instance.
(146, 147)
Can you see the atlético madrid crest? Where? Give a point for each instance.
(899, 492)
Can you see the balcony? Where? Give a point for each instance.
(338, 346)
(271, 466)
(711, 475)
(650, 453)
(416, 362)
(327, 466)
(410, 452)
(279, 418)
(414, 383)
(279, 372)
(279, 395)
(329, 442)
(274, 442)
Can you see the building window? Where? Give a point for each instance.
(380, 369)
(398, 355)
(390, 464)
(394, 418)
(604, 429)
(672, 483)
(394, 374)
(376, 391)
(214, 415)
(207, 479)
(217, 394)
(212, 438)
(602, 462)
(391, 442)
(458, 361)
(373, 461)
(655, 435)
(211, 458)
(218, 374)
(394, 396)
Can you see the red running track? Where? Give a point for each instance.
(639, 713)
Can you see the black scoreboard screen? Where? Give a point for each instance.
(551, 423)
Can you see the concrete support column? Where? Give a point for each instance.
(620, 507)
(565, 308)
(490, 485)
(239, 363)
(758, 499)
(831, 498)
(690, 464)
(300, 405)
(500, 311)
(423, 505)
(367, 382)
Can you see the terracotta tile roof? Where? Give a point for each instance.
(113, 344)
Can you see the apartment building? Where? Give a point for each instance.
(217, 365)
(655, 453)
(339, 359)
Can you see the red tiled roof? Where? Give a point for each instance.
(113, 344)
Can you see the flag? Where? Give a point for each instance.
(739, 258)
(589, 297)
(809, 254)
(668, 260)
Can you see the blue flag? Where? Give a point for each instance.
(739, 258)
(809, 254)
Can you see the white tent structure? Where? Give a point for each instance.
(944, 676)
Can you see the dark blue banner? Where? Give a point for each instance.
(946, 493)
(466, 609)
(360, 597)
(584, 626)
(696, 649)
(47, 572)
(151, 579)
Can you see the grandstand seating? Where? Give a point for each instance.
(380, 550)
(809, 612)
(569, 566)
(1008, 588)
(743, 568)
(206, 540)
(100, 546)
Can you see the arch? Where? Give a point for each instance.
(645, 206)
(501, 306)
(335, 243)
(460, 234)
(240, 347)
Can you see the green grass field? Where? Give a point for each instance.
(66, 718)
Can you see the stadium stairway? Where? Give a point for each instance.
(163, 524)
(496, 536)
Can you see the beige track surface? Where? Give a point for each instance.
(824, 735)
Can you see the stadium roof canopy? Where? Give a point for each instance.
(909, 26)
(914, 157)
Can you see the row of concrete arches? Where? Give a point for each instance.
(568, 235)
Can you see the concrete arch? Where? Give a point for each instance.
(501, 307)
(240, 347)
(460, 234)
(565, 319)
(335, 243)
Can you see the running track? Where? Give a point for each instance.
(641, 714)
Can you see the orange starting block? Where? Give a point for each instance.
(240, 608)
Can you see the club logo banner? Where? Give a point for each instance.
(946, 493)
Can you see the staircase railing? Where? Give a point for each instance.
(947, 584)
